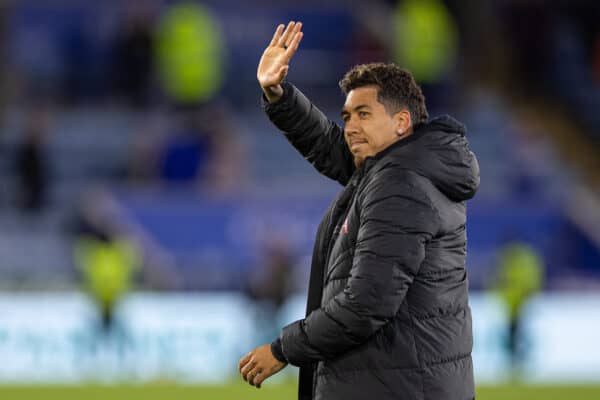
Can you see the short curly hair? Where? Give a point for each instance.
(397, 88)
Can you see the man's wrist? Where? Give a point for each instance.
(277, 351)
(273, 93)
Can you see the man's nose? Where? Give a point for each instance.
(351, 127)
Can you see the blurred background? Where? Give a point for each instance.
(154, 226)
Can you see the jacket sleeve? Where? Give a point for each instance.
(396, 222)
(320, 140)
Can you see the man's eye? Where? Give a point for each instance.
(363, 114)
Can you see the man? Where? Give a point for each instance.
(387, 313)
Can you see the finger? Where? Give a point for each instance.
(288, 31)
(243, 361)
(246, 371)
(291, 50)
(260, 379)
(247, 368)
(297, 29)
(251, 376)
(277, 35)
(254, 376)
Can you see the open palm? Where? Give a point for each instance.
(274, 63)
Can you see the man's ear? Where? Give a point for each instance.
(402, 121)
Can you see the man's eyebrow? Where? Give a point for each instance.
(357, 108)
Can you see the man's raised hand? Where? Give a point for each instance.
(274, 63)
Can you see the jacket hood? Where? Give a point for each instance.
(439, 151)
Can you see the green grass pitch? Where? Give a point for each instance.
(239, 391)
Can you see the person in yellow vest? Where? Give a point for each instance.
(189, 53)
(520, 277)
(105, 257)
(107, 265)
(425, 39)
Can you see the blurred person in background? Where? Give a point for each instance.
(31, 162)
(104, 255)
(189, 53)
(187, 150)
(520, 276)
(426, 43)
(229, 166)
(144, 148)
(191, 147)
(81, 62)
(387, 313)
(270, 288)
(133, 55)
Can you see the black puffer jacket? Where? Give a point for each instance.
(387, 314)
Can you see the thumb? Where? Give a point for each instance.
(282, 73)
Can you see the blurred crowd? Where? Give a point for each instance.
(133, 98)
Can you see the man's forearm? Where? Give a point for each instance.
(318, 139)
